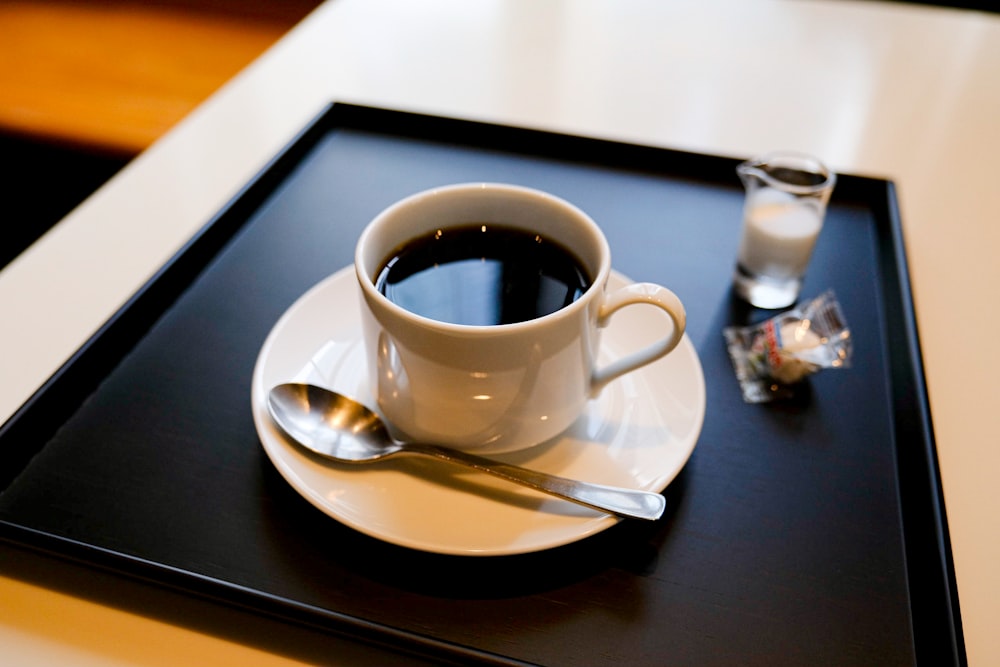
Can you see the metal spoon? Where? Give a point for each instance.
(344, 430)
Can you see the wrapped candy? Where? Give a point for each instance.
(772, 356)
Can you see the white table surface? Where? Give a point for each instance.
(904, 92)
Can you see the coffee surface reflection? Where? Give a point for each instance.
(481, 275)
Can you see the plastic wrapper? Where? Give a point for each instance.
(771, 357)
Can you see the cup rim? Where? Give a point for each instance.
(596, 286)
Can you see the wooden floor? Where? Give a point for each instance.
(86, 85)
(112, 76)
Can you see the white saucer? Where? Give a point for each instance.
(638, 433)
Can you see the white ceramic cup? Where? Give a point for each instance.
(502, 387)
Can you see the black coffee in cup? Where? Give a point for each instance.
(482, 274)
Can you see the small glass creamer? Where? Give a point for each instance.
(786, 198)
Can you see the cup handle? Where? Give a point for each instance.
(639, 293)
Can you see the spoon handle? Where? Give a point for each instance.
(621, 502)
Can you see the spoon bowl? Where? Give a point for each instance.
(344, 430)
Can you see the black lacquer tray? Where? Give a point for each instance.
(804, 532)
